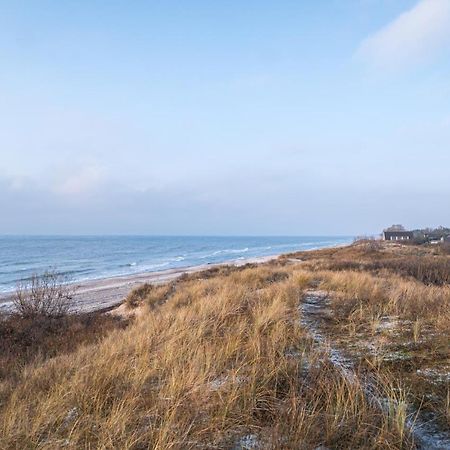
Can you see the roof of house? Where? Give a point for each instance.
(399, 233)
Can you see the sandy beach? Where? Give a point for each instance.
(106, 293)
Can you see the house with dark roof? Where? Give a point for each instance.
(398, 235)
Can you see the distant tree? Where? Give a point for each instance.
(397, 227)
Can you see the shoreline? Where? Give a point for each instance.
(103, 294)
(107, 293)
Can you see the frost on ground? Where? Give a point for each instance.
(248, 442)
(427, 434)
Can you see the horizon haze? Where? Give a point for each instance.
(224, 118)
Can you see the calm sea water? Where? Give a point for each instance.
(92, 257)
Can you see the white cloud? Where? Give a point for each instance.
(411, 38)
(83, 181)
(17, 183)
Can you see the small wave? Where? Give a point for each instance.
(66, 273)
(132, 264)
(18, 271)
(156, 266)
(16, 263)
(231, 250)
(226, 251)
(6, 290)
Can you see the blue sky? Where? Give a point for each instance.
(224, 117)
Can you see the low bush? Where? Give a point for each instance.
(47, 295)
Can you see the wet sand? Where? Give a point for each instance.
(106, 293)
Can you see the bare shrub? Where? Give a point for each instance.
(374, 245)
(370, 244)
(46, 295)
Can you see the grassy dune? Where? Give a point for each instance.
(220, 360)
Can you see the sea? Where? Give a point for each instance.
(82, 258)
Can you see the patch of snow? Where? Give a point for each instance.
(291, 353)
(71, 416)
(248, 442)
(387, 323)
(437, 376)
(222, 381)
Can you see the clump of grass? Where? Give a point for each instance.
(150, 295)
(138, 295)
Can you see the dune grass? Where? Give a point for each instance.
(220, 360)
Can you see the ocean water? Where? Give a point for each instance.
(82, 258)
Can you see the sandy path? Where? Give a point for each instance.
(314, 311)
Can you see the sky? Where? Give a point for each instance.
(224, 117)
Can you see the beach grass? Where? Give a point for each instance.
(222, 359)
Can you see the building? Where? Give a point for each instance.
(398, 235)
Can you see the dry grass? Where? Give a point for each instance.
(151, 295)
(391, 320)
(220, 358)
(428, 270)
(28, 341)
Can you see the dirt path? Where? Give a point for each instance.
(314, 311)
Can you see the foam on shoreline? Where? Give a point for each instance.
(105, 293)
